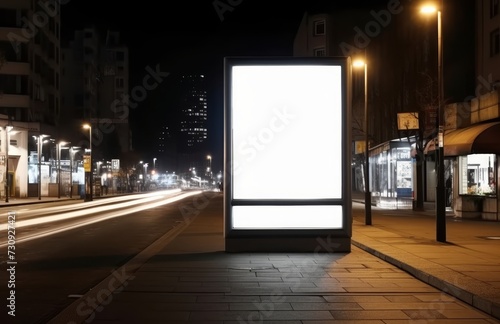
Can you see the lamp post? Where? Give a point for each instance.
(8, 128)
(39, 153)
(209, 158)
(154, 163)
(440, 188)
(71, 158)
(140, 182)
(7, 144)
(59, 148)
(368, 195)
(88, 197)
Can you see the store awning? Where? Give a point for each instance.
(476, 139)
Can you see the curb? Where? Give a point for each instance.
(485, 304)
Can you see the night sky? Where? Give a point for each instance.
(188, 36)
(191, 36)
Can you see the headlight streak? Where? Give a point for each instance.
(96, 219)
(24, 213)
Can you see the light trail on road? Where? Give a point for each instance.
(97, 213)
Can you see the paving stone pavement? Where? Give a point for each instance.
(191, 279)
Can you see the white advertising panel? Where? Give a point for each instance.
(287, 127)
(287, 146)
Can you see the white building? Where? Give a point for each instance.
(29, 81)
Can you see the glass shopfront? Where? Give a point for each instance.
(477, 174)
(391, 165)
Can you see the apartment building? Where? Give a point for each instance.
(95, 85)
(29, 84)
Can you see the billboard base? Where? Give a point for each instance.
(316, 244)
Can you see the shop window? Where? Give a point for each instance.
(477, 174)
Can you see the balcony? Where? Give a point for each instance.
(14, 101)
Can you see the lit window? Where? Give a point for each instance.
(477, 174)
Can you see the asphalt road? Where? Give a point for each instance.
(51, 271)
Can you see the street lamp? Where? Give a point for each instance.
(440, 189)
(59, 148)
(88, 197)
(71, 158)
(8, 128)
(368, 195)
(39, 153)
(209, 158)
(154, 163)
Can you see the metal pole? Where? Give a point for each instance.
(7, 164)
(70, 172)
(39, 167)
(91, 171)
(440, 189)
(58, 170)
(368, 194)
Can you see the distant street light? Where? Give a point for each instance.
(209, 157)
(89, 192)
(368, 195)
(440, 188)
(154, 163)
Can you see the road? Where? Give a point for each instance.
(59, 251)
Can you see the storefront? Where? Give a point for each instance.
(473, 152)
(391, 167)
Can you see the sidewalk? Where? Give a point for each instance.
(387, 278)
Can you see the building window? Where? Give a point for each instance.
(495, 42)
(119, 83)
(494, 8)
(120, 56)
(319, 27)
(477, 174)
(320, 51)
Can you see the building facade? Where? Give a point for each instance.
(29, 84)
(472, 127)
(400, 48)
(487, 45)
(95, 83)
(193, 110)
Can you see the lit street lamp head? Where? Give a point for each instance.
(428, 9)
(358, 63)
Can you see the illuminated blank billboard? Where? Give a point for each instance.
(286, 149)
